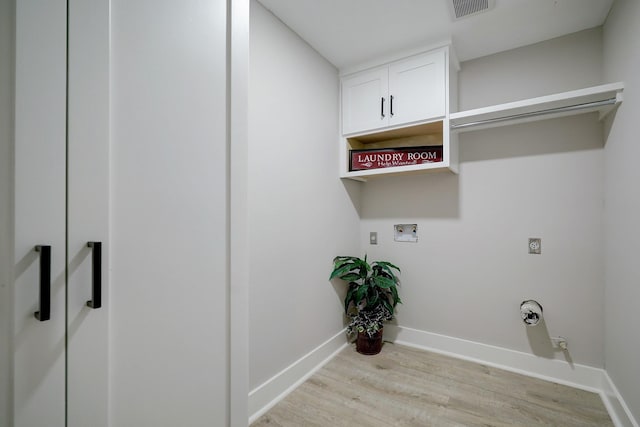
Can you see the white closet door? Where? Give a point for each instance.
(39, 211)
(87, 212)
(169, 202)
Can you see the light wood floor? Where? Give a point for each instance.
(407, 387)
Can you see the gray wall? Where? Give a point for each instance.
(6, 206)
(300, 214)
(470, 270)
(622, 201)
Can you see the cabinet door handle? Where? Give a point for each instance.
(382, 108)
(96, 275)
(44, 313)
(391, 106)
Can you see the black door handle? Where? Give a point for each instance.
(382, 108)
(44, 313)
(96, 275)
(391, 106)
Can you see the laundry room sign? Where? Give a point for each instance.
(393, 157)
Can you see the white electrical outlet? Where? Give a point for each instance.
(373, 238)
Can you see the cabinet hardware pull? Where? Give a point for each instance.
(391, 106)
(44, 313)
(96, 275)
(382, 108)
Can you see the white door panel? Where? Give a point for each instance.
(39, 211)
(88, 210)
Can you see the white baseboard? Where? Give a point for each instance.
(596, 380)
(617, 407)
(574, 375)
(266, 395)
(579, 376)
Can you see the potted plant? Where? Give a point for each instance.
(371, 298)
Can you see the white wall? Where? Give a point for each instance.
(300, 214)
(169, 279)
(470, 270)
(622, 232)
(565, 63)
(6, 225)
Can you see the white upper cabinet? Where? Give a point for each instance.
(403, 92)
(397, 104)
(363, 100)
(417, 89)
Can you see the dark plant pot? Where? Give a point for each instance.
(369, 345)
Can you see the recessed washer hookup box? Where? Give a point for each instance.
(393, 157)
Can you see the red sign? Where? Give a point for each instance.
(392, 157)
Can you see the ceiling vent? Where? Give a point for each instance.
(464, 8)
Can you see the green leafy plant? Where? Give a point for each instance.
(372, 295)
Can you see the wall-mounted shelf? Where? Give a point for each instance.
(603, 99)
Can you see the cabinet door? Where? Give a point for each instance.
(39, 212)
(364, 101)
(87, 211)
(417, 89)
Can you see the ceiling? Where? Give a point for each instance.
(348, 32)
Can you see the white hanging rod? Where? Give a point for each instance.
(584, 106)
